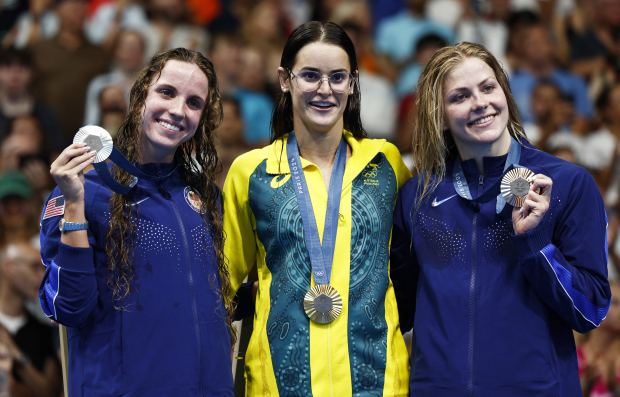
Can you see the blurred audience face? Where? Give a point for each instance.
(611, 113)
(22, 269)
(607, 12)
(25, 135)
(544, 98)
(231, 129)
(170, 10)
(252, 73)
(112, 98)
(129, 52)
(226, 57)
(15, 78)
(538, 47)
(500, 9)
(72, 15)
(14, 212)
(264, 21)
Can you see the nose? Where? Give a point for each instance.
(324, 88)
(479, 103)
(177, 108)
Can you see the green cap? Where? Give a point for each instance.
(14, 183)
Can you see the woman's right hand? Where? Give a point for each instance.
(67, 171)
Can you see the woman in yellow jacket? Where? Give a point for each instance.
(313, 211)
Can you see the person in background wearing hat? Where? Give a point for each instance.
(25, 340)
(18, 221)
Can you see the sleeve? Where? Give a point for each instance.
(404, 268)
(396, 161)
(565, 257)
(240, 246)
(68, 291)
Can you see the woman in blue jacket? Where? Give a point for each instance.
(140, 279)
(492, 292)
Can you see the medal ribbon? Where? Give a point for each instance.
(460, 182)
(321, 255)
(117, 157)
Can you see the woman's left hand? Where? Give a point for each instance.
(535, 206)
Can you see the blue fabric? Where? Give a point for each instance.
(173, 318)
(475, 293)
(50, 289)
(522, 84)
(256, 109)
(587, 309)
(398, 36)
(408, 79)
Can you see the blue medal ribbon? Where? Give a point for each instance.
(321, 255)
(460, 182)
(117, 157)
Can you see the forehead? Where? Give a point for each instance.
(322, 56)
(468, 73)
(185, 77)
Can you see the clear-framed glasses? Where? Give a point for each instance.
(310, 80)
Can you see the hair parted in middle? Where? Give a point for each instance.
(197, 163)
(432, 144)
(308, 33)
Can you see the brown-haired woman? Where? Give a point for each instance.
(495, 286)
(140, 279)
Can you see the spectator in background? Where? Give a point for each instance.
(38, 23)
(24, 148)
(256, 105)
(36, 370)
(66, 64)
(17, 100)
(114, 17)
(539, 63)
(169, 27)
(518, 23)
(225, 53)
(128, 58)
(599, 355)
(230, 137)
(409, 76)
(397, 35)
(18, 220)
(545, 99)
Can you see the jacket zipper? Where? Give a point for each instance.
(472, 293)
(192, 290)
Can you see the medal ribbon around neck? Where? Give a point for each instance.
(322, 303)
(460, 182)
(100, 141)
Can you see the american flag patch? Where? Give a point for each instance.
(55, 207)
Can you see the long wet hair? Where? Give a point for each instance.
(308, 33)
(197, 163)
(432, 145)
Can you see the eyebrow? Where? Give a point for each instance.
(331, 72)
(173, 88)
(464, 88)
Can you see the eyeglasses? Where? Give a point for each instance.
(308, 81)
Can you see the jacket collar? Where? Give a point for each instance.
(362, 152)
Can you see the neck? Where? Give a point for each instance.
(10, 303)
(319, 147)
(498, 148)
(69, 39)
(540, 69)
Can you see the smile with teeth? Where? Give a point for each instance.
(322, 104)
(483, 120)
(169, 126)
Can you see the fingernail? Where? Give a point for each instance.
(93, 152)
(86, 148)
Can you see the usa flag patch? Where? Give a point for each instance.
(55, 207)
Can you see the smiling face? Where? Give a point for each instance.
(475, 110)
(320, 110)
(172, 110)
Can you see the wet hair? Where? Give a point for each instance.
(432, 145)
(197, 163)
(308, 33)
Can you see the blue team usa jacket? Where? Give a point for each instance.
(171, 339)
(493, 313)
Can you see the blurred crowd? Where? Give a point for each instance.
(67, 63)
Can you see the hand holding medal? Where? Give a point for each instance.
(533, 205)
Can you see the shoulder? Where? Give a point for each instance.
(247, 162)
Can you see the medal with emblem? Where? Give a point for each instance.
(97, 139)
(515, 186)
(322, 304)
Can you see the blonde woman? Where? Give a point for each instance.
(494, 288)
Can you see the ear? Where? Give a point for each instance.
(356, 76)
(284, 78)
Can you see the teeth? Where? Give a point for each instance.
(169, 126)
(322, 104)
(484, 120)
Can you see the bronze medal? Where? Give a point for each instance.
(322, 304)
(515, 186)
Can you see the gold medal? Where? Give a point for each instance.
(322, 304)
(515, 186)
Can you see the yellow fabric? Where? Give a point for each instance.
(330, 366)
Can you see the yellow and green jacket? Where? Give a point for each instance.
(362, 352)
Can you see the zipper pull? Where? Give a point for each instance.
(481, 180)
(161, 189)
